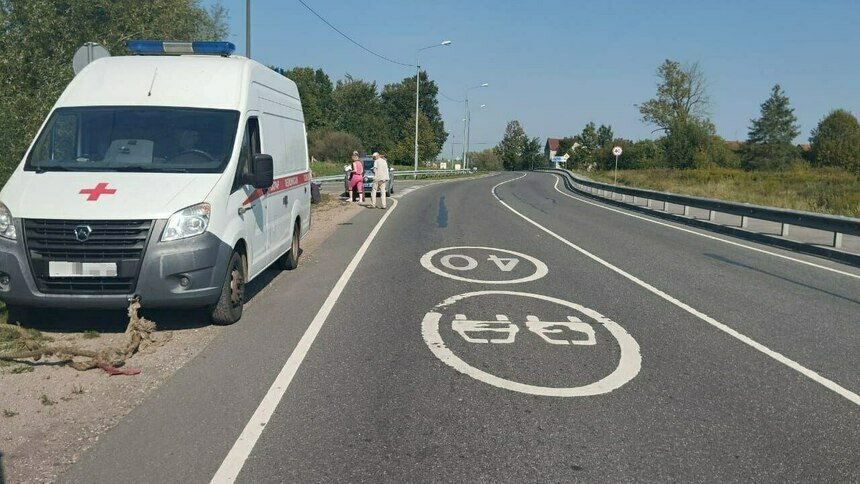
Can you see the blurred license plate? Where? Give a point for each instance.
(81, 269)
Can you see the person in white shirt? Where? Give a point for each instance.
(380, 179)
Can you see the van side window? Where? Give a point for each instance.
(250, 147)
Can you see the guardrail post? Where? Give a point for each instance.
(745, 222)
(712, 216)
(837, 240)
(648, 204)
(686, 210)
(784, 231)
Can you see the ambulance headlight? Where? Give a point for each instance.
(187, 223)
(7, 225)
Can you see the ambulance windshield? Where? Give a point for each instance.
(151, 139)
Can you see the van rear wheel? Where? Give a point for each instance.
(290, 260)
(229, 307)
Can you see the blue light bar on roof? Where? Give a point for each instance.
(160, 47)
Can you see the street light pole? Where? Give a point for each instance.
(466, 127)
(248, 28)
(417, 84)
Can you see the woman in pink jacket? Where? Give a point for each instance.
(356, 178)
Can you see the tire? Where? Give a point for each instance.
(290, 260)
(228, 309)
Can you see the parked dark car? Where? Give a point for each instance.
(368, 177)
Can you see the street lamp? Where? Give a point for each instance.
(469, 133)
(417, 83)
(466, 127)
(248, 28)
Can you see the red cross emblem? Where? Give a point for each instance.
(95, 193)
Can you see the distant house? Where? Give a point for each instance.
(734, 145)
(551, 147)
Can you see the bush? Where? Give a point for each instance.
(334, 146)
(836, 141)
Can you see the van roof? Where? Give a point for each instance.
(188, 80)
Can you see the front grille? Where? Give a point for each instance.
(119, 241)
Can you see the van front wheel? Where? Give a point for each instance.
(228, 309)
(290, 260)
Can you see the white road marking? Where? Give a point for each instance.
(829, 384)
(506, 264)
(470, 262)
(235, 460)
(629, 363)
(427, 261)
(682, 229)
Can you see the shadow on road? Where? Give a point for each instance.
(738, 264)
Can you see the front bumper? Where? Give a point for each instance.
(202, 260)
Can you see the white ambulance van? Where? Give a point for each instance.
(177, 175)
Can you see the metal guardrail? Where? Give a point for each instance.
(398, 173)
(835, 224)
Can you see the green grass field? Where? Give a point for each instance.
(820, 190)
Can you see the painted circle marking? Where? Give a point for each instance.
(427, 261)
(470, 262)
(629, 363)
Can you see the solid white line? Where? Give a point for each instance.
(235, 460)
(730, 242)
(853, 397)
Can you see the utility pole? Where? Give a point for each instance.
(248, 28)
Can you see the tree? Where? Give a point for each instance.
(681, 97)
(333, 145)
(770, 142)
(687, 144)
(588, 145)
(836, 141)
(403, 150)
(315, 89)
(358, 110)
(398, 102)
(604, 136)
(486, 160)
(510, 149)
(532, 154)
(565, 144)
(39, 37)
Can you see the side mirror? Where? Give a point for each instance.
(264, 170)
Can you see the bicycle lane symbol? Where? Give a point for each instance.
(573, 332)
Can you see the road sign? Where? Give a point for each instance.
(558, 159)
(617, 151)
(86, 54)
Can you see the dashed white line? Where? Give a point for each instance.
(235, 460)
(682, 229)
(827, 383)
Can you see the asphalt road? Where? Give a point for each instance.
(499, 330)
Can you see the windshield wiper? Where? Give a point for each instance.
(43, 169)
(150, 169)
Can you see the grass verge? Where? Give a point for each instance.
(819, 190)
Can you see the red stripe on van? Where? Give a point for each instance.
(279, 185)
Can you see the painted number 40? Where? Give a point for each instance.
(459, 262)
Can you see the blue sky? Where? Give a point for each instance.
(555, 65)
